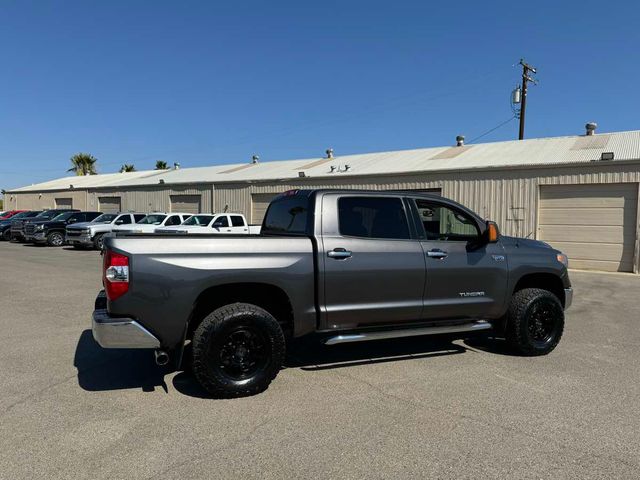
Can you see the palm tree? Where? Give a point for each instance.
(83, 164)
(161, 165)
(127, 168)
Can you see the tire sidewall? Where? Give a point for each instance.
(209, 338)
(522, 316)
(98, 241)
(52, 236)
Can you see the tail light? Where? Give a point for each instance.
(115, 274)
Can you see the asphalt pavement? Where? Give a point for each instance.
(412, 408)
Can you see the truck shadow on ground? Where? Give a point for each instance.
(105, 369)
(100, 369)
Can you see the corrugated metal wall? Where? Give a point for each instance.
(43, 201)
(510, 197)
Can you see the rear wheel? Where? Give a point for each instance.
(535, 321)
(237, 350)
(6, 235)
(55, 239)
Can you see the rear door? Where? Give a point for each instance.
(463, 280)
(374, 272)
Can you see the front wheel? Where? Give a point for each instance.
(98, 241)
(237, 350)
(535, 321)
(6, 235)
(55, 239)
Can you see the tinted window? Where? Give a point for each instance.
(445, 223)
(62, 216)
(237, 221)
(221, 222)
(91, 215)
(372, 217)
(123, 220)
(173, 220)
(138, 216)
(287, 215)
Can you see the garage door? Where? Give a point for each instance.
(64, 203)
(186, 203)
(259, 204)
(109, 204)
(595, 225)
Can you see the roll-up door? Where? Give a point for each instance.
(110, 204)
(64, 202)
(259, 204)
(186, 203)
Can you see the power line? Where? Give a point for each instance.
(502, 124)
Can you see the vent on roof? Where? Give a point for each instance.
(451, 152)
(460, 140)
(329, 152)
(591, 141)
(591, 128)
(255, 159)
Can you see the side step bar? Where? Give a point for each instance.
(408, 332)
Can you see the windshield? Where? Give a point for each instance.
(198, 220)
(46, 215)
(152, 220)
(21, 215)
(62, 216)
(104, 218)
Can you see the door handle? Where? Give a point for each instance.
(436, 253)
(339, 253)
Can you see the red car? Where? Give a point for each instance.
(9, 214)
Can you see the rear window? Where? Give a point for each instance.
(287, 214)
(237, 221)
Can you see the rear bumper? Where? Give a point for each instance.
(568, 297)
(119, 332)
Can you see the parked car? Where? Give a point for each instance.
(91, 234)
(52, 232)
(216, 223)
(10, 213)
(5, 225)
(152, 221)
(18, 226)
(349, 266)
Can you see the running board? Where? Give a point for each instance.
(408, 332)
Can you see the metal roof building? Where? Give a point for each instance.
(579, 193)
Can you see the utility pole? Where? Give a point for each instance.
(526, 69)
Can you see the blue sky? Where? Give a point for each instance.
(206, 82)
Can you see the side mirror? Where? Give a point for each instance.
(493, 232)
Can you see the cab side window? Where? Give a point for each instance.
(123, 220)
(237, 221)
(444, 223)
(221, 222)
(173, 220)
(373, 217)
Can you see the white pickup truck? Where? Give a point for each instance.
(208, 223)
(152, 221)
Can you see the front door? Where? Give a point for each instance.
(373, 271)
(462, 281)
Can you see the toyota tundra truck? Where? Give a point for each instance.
(345, 266)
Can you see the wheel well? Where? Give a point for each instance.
(269, 297)
(545, 281)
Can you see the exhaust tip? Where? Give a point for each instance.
(162, 357)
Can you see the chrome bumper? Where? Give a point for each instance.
(78, 240)
(112, 332)
(568, 297)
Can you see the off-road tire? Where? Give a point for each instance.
(211, 341)
(98, 241)
(531, 305)
(55, 239)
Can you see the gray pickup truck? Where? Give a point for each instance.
(347, 266)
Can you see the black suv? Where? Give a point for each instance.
(19, 227)
(51, 232)
(5, 225)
